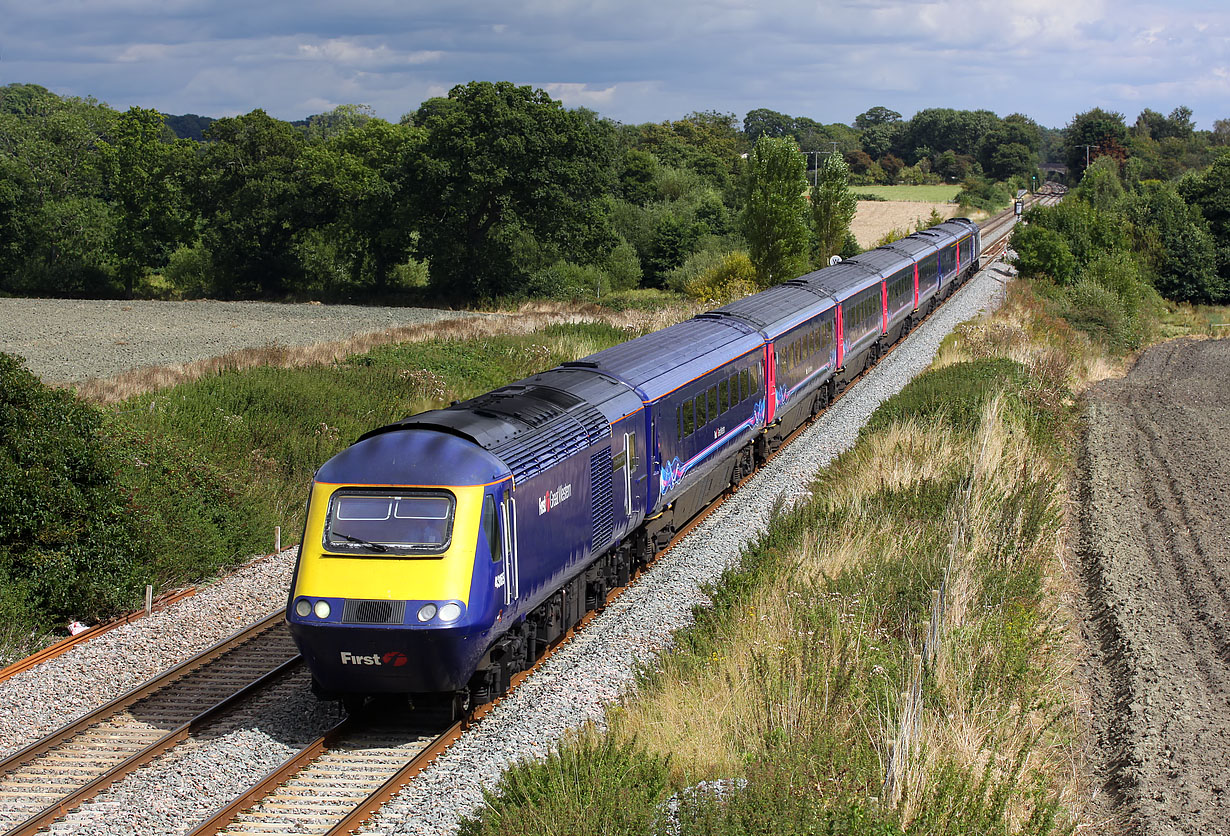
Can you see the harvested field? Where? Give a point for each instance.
(1155, 555)
(875, 218)
(110, 350)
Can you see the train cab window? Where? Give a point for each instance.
(389, 525)
(689, 418)
(490, 527)
(745, 390)
(713, 403)
(723, 397)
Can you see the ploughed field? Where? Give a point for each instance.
(1155, 544)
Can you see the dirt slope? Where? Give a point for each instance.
(1155, 544)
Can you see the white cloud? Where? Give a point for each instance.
(349, 52)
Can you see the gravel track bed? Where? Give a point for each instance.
(575, 686)
(71, 340)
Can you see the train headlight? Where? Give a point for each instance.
(450, 612)
(303, 608)
(427, 612)
(322, 609)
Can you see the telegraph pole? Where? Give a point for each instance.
(1087, 147)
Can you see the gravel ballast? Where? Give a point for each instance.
(71, 340)
(574, 687)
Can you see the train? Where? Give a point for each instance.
(444, 553)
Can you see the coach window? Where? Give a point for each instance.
(689, 419)
(679, 422)
(734, 389)
(723, 397)
(713, 403)
(744, 389)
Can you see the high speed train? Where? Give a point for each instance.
(444, 553)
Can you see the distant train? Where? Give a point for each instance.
(444, 553)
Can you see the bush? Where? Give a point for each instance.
(1043, 252)
(717, 279)
(70, 546)
(981, 193)
(586, 786)
(565, 281)
(189, 271)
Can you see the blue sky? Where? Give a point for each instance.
(631, 60)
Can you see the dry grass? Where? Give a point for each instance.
(528, 319)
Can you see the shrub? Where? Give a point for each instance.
(731, 276)
(587, 786)
(564, 280)
(70, 546)
(189, 271)
(1043, 252)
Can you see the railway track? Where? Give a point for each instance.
(330, 786)
(51, 777)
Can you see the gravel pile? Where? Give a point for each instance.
(573, 687)
(71, 340)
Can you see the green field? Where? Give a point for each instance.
(918, 194)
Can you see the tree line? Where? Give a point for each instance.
(493, 192)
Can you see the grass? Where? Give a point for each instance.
(917, 194)
(800, 661)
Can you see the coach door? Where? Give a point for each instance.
(512, 565)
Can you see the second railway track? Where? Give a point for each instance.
(52, 776)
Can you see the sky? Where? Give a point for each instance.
(631, 60)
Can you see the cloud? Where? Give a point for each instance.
(633, 60)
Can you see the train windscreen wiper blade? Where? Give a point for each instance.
(376, 547)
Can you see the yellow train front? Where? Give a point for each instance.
(421, 572)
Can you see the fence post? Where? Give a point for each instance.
(277, 539)
(149, 599)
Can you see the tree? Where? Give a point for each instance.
(1101, 187)
(1043, 252)
(325, 126)
(1179, 246)
(250, 195)
(877, 115)
(1097, 127)
(832, 207)
(361, 184)
(1209, 191)
(500, 162)
(774, 213)
(141, 179)
(1221, 132)
(765, 122)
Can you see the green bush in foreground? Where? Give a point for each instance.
(69, 545)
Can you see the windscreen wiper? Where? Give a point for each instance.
(376, 547)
